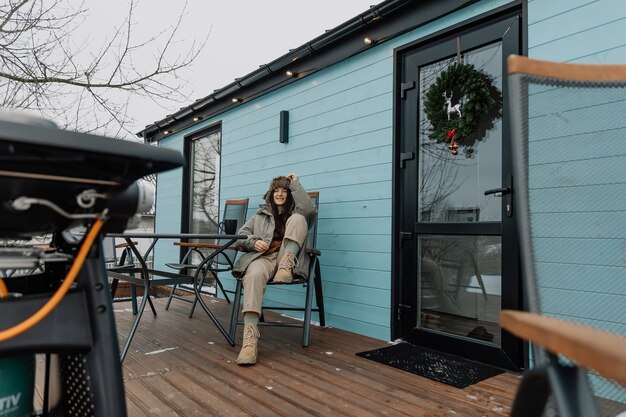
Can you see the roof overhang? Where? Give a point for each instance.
(380, 23)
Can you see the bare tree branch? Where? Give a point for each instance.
(81, 86)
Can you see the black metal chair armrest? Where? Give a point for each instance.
(180, 267)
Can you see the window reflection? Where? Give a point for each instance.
(451, 188)
(205, 183)
(460, 285)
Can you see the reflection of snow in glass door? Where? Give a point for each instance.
(459, 272)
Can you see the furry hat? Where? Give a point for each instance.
(277, 182)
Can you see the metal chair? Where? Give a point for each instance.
(567, 123)
(233, 210)
(312, 283)
(124, 263)
(109, 247)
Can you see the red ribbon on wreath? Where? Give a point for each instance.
(453, 146)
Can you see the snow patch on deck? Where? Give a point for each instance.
(155, 352)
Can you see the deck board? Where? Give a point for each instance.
(178, 366)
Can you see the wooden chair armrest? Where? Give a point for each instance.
(186, 244)
(591, 348)
(207, 246)
(238, 248)
(124, 245)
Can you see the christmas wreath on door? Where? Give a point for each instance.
(461, 106)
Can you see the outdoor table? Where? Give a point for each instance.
(170, 277)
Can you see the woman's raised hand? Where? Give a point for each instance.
(293, 176)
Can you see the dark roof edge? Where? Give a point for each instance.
(220, 98)
(323, 41)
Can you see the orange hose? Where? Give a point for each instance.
(3, 289)
(61, 291)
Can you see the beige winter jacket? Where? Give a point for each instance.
(261, 226)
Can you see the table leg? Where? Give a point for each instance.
(133, 329)
(196, 290)
(133, 298)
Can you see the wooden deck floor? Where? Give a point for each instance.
(183, 367)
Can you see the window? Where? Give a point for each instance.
(204, 155)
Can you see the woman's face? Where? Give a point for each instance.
(280, 196)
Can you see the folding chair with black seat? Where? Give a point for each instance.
(312, 283)
(567, 124)
(196, 252)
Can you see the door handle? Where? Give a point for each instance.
(501, 190)
(507, 193)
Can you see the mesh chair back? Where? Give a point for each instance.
(233, 210)
(568, 124)
(312, 236)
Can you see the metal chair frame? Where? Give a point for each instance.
(223, 263)
(312, 283)
(125, 262)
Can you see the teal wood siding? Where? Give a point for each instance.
(593, 274)
(581, 31)
(168, 207)
(340, 143)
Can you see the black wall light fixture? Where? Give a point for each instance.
(283, 129)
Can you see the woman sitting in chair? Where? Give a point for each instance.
(275, 251)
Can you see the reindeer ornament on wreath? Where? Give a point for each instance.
(452, 110)
(468, 120)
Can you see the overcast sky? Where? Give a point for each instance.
(243, 34)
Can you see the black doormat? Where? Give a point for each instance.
(442, 367)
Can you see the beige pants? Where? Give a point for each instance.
(263, 269)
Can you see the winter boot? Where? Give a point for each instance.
(284, 275)
(249, 350)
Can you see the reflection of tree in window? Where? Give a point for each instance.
(205, 180)
(438, 168)
(451, 187)
(437, 180)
